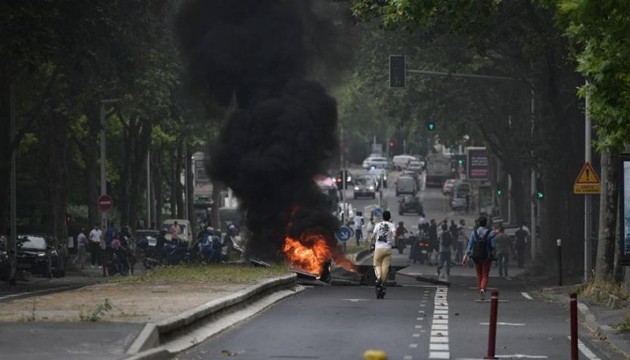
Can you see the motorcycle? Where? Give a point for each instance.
(420, 251)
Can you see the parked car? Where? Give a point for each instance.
(406, 185)
(365, 186)
(340, 176)
(5, 265)
(447, 187)
(40, 254)
(378, 162)
(410, 203)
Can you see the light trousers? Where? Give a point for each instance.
(382, 260)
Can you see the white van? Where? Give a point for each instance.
(185, 235)
(401, 161)
(406, 185)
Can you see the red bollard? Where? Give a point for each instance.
(574, 325)
(492, 335)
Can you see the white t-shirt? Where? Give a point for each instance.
(386, 228)
(95, 236)
(358, 222)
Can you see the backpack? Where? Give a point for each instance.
(383, 232)
(480, 247)
(447, 239)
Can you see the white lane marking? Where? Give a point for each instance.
(413, 346)
(439, 355)
(416, 335)
(408, 357)
(527, 296)
(354, 300)
(439, 343)
(438, 347)
(585, 350)
(504, 324)
(418, 327)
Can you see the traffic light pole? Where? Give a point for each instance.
(588, 200)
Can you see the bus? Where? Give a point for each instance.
(438, 169)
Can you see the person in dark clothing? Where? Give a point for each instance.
(521, 245)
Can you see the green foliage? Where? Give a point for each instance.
(98, 313)
(212, 272)
(599, 30)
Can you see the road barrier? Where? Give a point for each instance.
(574, 326)
(492, 334)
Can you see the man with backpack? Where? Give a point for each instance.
(445, 242)
(481, 249)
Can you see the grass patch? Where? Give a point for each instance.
(206, 273)
(98, 313)
(599, 289)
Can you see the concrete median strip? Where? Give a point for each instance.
(177, 333)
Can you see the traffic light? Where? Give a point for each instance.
(460, 162)
(431, 126)
(499, 192)
(540, 191)
(391, 144)
(397, 71)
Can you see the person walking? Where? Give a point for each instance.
(503, 251)
(358, 226)
(445, 243)
(432, 240)
(382, 242)
(82, 244)
(481, 247)
(460, 242)
(95, 246)
(521, 245)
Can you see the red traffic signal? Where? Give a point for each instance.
(391, 144)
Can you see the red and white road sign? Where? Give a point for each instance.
(105, 202)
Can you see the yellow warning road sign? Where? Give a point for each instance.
(587, 181)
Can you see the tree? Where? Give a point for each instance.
(598, 29)
(512, 39)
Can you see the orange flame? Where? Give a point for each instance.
(311, 251)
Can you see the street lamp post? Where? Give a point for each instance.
(104, 156)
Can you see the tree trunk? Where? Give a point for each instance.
(5, 149)
(607, 236)
(156, 179)
(91, 153)
(57, 174)
(190, 194)
(138, 167)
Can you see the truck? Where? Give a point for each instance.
(438, 169)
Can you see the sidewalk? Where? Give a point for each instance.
(597, 317)
(129, 321)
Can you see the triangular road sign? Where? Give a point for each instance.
(587, 175)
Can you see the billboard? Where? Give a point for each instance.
(625, 207)
(477, 161)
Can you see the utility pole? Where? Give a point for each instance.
(588, 200)
(12, 246)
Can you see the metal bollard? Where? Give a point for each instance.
(492, 335)
(574, 327)
(559, 246)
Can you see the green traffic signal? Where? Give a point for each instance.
(431, 126)
(460, 162)
(499, 192)
(540, 195)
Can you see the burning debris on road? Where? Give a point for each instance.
(256, 56)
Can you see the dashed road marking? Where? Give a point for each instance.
(527, 296)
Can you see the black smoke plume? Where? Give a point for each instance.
(256, 55)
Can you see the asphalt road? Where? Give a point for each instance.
(415, 321)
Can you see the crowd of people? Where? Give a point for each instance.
(444, 244)
(108, 250)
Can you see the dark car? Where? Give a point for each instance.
(39, 254)
(365, 185)
(410, 203)
(340, 176)
(5, 265)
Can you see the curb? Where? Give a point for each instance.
(591, 323)
(147, 343)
